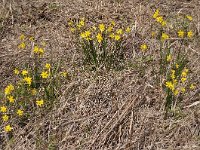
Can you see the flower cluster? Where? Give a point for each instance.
(34, 87)
(101, 42)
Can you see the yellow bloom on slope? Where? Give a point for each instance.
(183, 79)
(119, 31)
(184, 72)
(31, 39)
(173, 74)
(99, 37)
(81, 23)
(177, 66)
(169, 57)
(22, 37)
(11, 99)
(170, 85)
(40, 102)
(112, 23)
(110, 28)
(181, 33)
(175, 92)
(159, 19)
(3, 109)
(128, 29)
(163, 23)
(44, 74)
(86, 35)
(101, 27)
(64, 74)
(22, 45)
(143, 47)
(5, 118)
(164, 36)
(20, 112)
(36, 49)
(189, 17)
(9, 89)
(24, 72)
(70, 23)
(112, 35)
(117, 37)
(8, 128)
(47, 66)
(192, 86)
(41, 51)
(156, 14)
(28, 80)
(183, 90)
(190, 34)
(72, 30)
(16, 71)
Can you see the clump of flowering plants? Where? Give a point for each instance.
(174, 34)
(101, 44)
(37, 86)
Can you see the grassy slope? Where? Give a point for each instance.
(115, 110)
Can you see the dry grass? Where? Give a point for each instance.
(102, 110)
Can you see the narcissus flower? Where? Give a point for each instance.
(86, 35)
(128, 29)
(99, 37)
(31, 39)
(20, 112)
(28, 80)
(170, 85)
(3, 109)
(24, 72)
(44, 74)
(9, 89)
(143, 47)
(169, 57)
(183, 90)
(101, 27)
(22, 37)
(8, 128)
(192, 86)
(110, 28)
(173, 74)
(5, 118)
(11, 99)
(81, 23)
(112, 23)
(164, 36)
(183, 79)
(119, 31)
(38, 50)
(112, 35)
(117, 37)
(175, 92)
(159, 19)
(22, 45)
(64, 74)
(181, 33)
(40, 102)
(177, 66)
(156, 14)
(190, 34)
(189, 17)
(47, 66)
(16, 71)
(72, 30)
